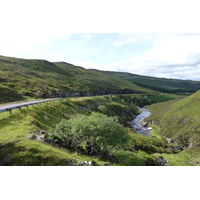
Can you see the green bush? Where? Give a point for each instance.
(96, 133)
(95, 127)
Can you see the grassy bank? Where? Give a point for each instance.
(178, 120)
(17, 149)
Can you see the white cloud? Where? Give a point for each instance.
(131, 38)
(172, 56)
(86, 36)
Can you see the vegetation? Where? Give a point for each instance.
(178, 120)
(43, 79)
(172, 86)
(28, 78)
(18, 148)
(93, 135)
(95, 128)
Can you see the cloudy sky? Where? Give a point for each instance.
(94, 37)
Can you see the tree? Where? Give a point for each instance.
(97, 129)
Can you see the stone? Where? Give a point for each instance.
(168, 140)
(81, 163)
(162, 161)
(72, 162)
(190, 145)
(40, 137)
(107, 164)
(31, 136)
(92, 163)
(53, 142)
(44, 87)
(133, 149)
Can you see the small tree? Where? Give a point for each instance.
(97, 128)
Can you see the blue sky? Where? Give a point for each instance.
(95, 37)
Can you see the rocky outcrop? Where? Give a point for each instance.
(98, 91)
(162, 161)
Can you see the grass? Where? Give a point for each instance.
(188, 157)
(17, 149)
(43, 79)
(179, 119)
(171, 86)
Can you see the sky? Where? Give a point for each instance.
(98, 36)
(147, 37)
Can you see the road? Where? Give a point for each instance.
(10, 107)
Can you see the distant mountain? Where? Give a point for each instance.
(40, 78)
(173, 86)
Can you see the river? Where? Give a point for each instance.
(138, 125)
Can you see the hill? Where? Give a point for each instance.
(178, 121)
(43, 79)
(33, 78)
(173, 86)
(27, 135)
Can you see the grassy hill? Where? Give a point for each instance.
(32, 78)
(178, 120)
(173, 86)
(43, 79)
(19, 132)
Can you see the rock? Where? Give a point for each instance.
(6, 161)
(175, 148)
(31, 136)
(81, 163)
(107, 164)
(190, 145)
(168, 140)
(43, 132)
(90, 163)
(72, 162)
(40, 137)
(162, 161)
(53, 142)
(133, 149)
(44, 87)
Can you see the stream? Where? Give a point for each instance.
(138, 125)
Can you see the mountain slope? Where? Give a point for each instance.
(173, 86)
(179, 120)
(40, 78)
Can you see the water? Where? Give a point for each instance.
(138, 125)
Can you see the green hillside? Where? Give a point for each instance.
(27, 136)
(43, 79)
(35, 135)
(179, 121)
(173, 86)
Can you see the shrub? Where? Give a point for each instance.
(96, 132)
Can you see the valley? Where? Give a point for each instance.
(29, 136)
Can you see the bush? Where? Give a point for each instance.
(96, 132)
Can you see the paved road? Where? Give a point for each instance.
(10, 107)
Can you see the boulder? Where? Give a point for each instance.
(162, 161)
(72, 162)
(81, 163)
